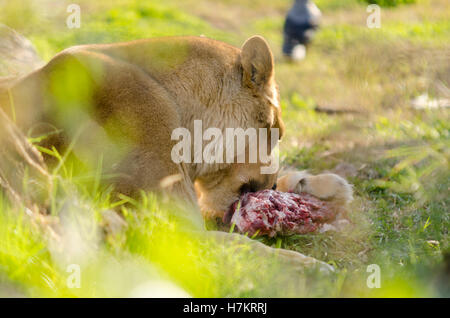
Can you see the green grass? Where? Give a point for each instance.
(390, 3)
(399, 156)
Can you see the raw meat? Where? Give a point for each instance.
(270, 212)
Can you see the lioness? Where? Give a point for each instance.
(137, 93)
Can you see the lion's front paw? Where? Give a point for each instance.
(327, 186)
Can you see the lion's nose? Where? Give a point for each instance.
(251, 186)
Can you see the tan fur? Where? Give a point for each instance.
(143, 90)
(327, 186)
(135, 94)
(147, 88)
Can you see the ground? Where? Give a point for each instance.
(365, 79)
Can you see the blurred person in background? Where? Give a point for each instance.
(300, 26)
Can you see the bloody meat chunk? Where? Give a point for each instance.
(270, 212)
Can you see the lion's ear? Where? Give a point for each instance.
(257, 62)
